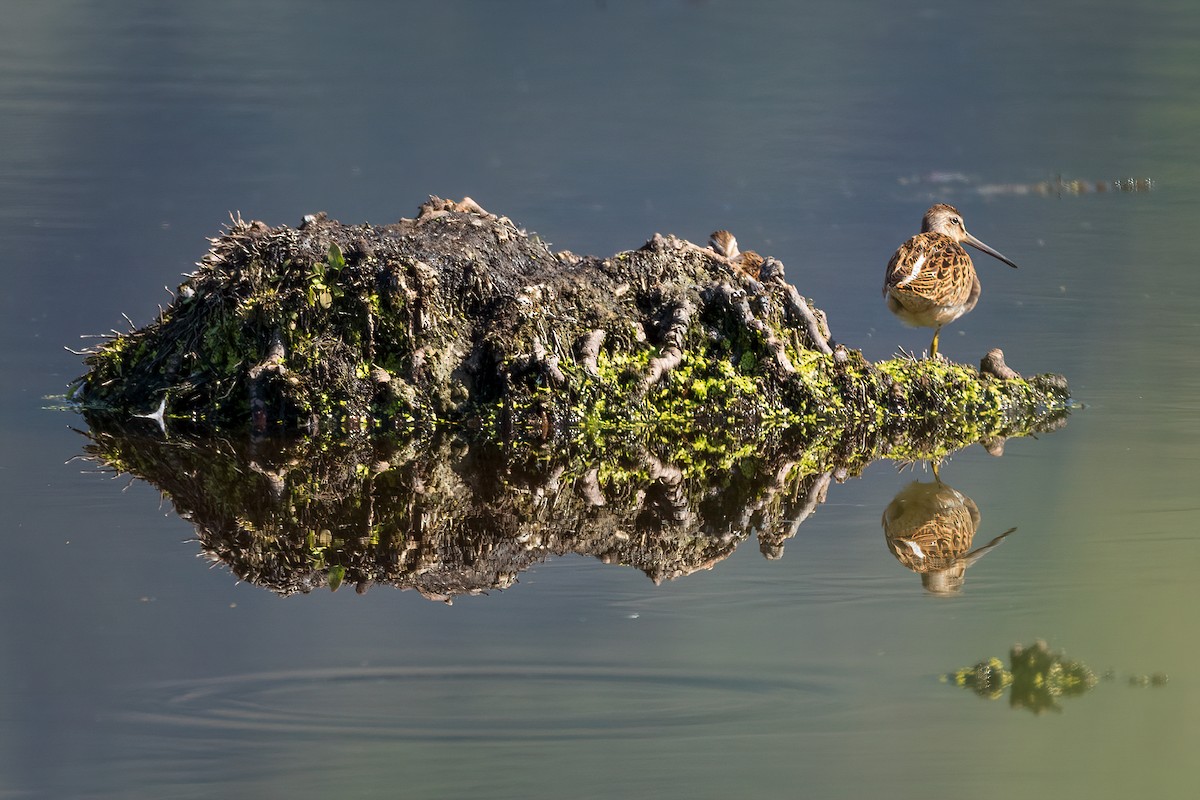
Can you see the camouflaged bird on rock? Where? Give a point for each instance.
(459, 318)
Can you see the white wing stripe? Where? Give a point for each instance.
(916, 270)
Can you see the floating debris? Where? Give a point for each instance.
(947, 183)
(1038, 677)
(1061, 186)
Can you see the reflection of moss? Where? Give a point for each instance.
(1036, 675)
(987, 679)
(455, 515)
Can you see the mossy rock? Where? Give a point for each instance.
(458, 319)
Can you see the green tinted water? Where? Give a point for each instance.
(135, 671)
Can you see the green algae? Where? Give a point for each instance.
(1036, 677)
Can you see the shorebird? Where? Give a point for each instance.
(930, 280)
(929, 528)
(748, 261)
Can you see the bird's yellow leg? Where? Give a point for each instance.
(933, 347)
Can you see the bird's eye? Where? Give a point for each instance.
(955, 221)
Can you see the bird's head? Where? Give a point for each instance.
(946, 220)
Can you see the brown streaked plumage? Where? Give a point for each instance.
(724, 243)
(929, 528)
(930, 281)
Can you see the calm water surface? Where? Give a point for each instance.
(127, 135)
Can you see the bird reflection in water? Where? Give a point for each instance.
(929, 528)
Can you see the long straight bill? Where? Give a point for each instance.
(978, 245)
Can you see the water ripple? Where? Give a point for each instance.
(469, 703)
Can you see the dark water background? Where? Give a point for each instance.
(129, 132)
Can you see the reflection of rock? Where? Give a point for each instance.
(448, 518)
(929, 528)
(810, 493)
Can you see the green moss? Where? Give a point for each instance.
(1037, 676)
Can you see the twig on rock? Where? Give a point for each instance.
(672, 354)
(737, 301)
(588, 348)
